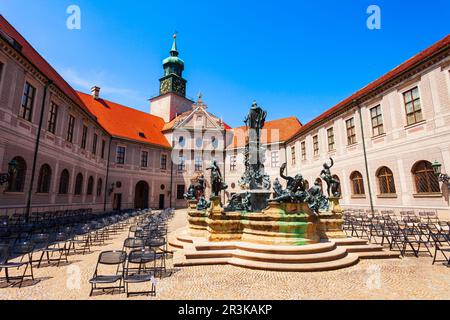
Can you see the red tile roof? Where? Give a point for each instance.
(278, 130)
(127, 123)
(40, 63)
(445, 42)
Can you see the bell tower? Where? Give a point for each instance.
(173, 73)
(172, 88)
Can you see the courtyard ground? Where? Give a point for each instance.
(407, 278)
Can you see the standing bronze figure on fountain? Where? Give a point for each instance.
(332, 184)
(217, 184)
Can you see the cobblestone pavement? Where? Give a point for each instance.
(408, 278)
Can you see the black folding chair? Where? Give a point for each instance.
(8, 260)
(40, 242)
(109, 259)
(138, 271)
(58, 247)
(441, 241)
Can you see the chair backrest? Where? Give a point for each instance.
(4, 253)
(40, 238)
(155, 242)
(142, 256)
(61, 236)
(112, 257)
(133, 243)
(23, 248)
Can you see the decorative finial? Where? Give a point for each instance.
(200, 99)
(174, 51)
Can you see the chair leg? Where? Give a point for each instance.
(40, 259)
(435, 254)
(23, 276)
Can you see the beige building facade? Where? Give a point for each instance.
(94, 153)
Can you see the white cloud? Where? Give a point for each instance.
(96, 79)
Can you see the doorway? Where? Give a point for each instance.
(117, 203)
(141, 195)
(161, 201)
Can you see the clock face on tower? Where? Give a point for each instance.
(178, 86)
(165, 86)
(173, 84)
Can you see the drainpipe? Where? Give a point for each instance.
(171, 172)
(286, 158)
(36, 150)
(107, 175)
(171, 182)
(224, 156)
(365, 155)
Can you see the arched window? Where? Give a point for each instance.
(45, 175)
(64, 182)
(99, 187)
(214, 142)
(339, 190)
(357, 183)
(181, 141)
(386, 181)
(90, 186)
(17, 178)
(79, 184)
(425, 179)
(306, 184)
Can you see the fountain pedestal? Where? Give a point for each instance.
(197, 220)
(331, 222)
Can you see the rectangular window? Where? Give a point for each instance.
(2, 66)
(303, 150)
(181, 164)
(293, 156)
(163, 162)
(413, 106)
(26, 107)
(70, 128)
(53, 116)
(316, 145)
(94, 144)
(198, 164)
(377, 121)
(84, 137)
(103, 148)
(330, 134)
(181, 189)
(144, 159)
(275, 159)
(351, 132)
(233, 163)
(120, 155)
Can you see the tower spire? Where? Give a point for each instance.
(174, 50)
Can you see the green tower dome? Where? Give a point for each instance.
(173, 64)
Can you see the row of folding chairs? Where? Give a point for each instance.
(27, 250)
(406, 233)
(140, 261)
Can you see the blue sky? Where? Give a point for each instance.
(294, 57)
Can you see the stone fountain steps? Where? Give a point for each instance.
(332, 255)
(268, 249)
(348, 261)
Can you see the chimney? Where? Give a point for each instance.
(95, 91)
